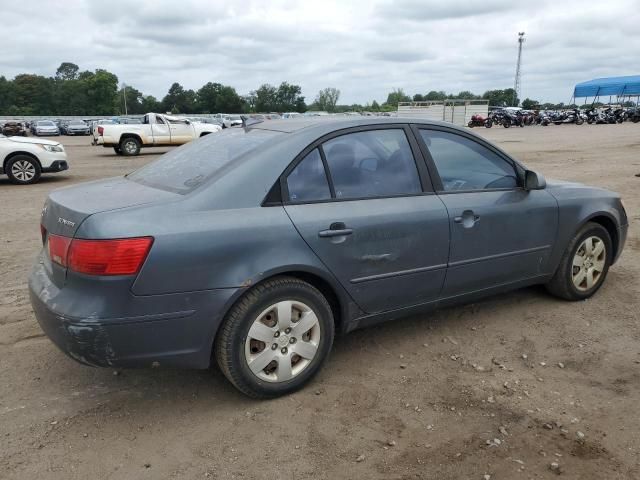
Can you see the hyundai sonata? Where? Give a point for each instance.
(255, 245)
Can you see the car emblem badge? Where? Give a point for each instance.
(65, 222)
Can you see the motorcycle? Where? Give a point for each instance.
(572, 116)
(479, 121)
(633, 114)
(509, 119)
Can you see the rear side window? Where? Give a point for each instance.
(308, 181)
(464, 164)
(374, 163)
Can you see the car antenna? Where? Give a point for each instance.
(249, 121)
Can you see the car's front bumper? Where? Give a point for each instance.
(56, 166)
(104, 327)
(78, 132)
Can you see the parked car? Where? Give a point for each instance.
(155, 130)
(254, 245)
(24, 159)
(13, 128)
(45, 127)
(76, 127)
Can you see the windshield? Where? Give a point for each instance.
(186, 168)
(46, 123)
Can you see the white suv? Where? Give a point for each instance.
(23, 159)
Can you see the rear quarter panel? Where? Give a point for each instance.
(211, 249)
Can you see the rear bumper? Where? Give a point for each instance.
(136, 331)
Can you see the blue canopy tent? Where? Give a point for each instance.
(618, 86)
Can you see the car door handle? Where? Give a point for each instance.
(336, 229)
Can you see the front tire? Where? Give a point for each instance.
(130, 146)
(23, 170)
(584, 265)
(118, 150)
(275, 338)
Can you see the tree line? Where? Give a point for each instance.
(74, 92)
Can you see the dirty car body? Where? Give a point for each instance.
(230, 211)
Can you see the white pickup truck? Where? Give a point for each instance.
(156, 130)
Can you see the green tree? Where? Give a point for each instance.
(134, 99)
(149, 103)
(397, 96)
(218, 98)
(327, 99)
(375, 106)
(102, 92)
(434, 96)
(418, 97)
(466, 95)
(33, 94)
(265, 98)
(529, 104)
(501, 98)
(6, 95)
(289, 98)
(179, 100)
(67, 71)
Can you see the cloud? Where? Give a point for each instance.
(364, 48)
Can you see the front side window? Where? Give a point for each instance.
(308, 180)
(374, 163)
(464, 164)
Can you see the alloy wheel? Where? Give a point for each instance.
(23, 170)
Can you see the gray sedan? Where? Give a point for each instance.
(255, 245)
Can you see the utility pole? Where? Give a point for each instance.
(124, 95)
(516, 86)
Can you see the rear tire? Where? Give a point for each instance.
(117, 150)
(257, 353)
(130, 146)
(23, 170)
(584, 265)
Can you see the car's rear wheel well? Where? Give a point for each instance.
(610, 225)
(326, 289)
(130, 135)
(16, 154)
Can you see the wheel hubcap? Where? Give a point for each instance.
(23, 170)
(588, 263)
(130, 147)
(282, 341)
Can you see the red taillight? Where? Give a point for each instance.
(100, 130)
(58, 249)
(122, 256)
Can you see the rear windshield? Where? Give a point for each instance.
(186, 168)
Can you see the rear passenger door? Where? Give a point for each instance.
(367, 209)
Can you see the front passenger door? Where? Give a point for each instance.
(500, 232)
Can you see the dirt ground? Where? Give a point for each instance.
(503, 387)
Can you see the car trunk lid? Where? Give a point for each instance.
(66, 209)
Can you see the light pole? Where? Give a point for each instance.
(516, 86)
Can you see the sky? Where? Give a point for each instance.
(365, 48)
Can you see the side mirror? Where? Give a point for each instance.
(534, 181)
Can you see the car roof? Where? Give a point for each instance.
(329, 124)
